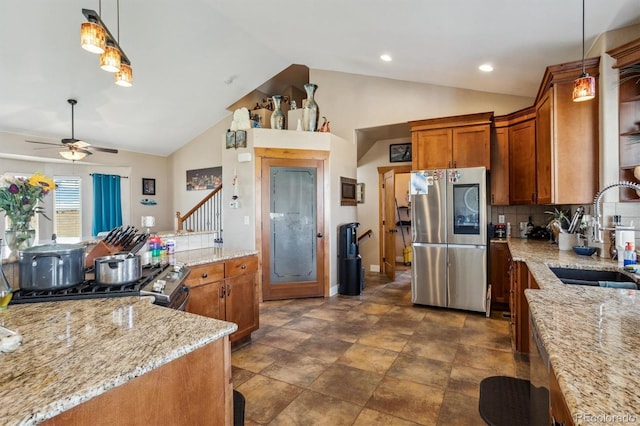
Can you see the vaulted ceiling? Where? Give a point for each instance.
(194, 58)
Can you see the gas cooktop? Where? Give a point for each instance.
(164, 282)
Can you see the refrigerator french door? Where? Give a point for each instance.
(449, 240)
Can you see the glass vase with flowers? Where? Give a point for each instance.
(20, 199)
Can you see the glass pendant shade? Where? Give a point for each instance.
(110, 59)
(584, 88)
(124, 77)
(72, 155)
(93, 37)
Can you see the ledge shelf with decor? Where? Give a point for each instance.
(627, 59)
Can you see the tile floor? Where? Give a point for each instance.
(374, 359)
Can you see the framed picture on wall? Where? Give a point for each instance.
(148, 186)
(400, 152)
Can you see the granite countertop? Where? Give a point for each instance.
(208, 255)
(72, 351)
(591, 334)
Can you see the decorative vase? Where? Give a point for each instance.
(19, 236)
(310, 111)
(6, 292)
(277, 118)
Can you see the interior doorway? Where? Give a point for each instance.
(388, 213)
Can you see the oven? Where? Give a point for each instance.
(165, 283)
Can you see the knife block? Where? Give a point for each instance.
(99, 250)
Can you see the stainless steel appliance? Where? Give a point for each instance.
(164, 282)
(449, 238)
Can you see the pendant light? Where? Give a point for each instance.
(124, 77)
(93, 37)
(584, 87)
(112, 57)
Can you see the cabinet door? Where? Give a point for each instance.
(500, 167)
(499, 273)
(240, 304)
(432, 149)
(470, 146)
(544, 135)
(207, 300)
(522, 162)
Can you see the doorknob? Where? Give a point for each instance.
(319, 235)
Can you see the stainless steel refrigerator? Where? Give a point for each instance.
(449, 238)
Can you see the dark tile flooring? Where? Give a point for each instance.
(374, 359)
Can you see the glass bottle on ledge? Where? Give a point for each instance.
(6, 292)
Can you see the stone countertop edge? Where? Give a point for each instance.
(54, 369)
(591, 335)
(212, 254)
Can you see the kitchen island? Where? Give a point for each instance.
(591, 335)
(115, 361)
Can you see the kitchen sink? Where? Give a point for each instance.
(590, 277)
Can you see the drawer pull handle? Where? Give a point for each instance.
(205, 275)
(243, 267)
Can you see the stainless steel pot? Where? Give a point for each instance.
(118, 269)
(51, 266)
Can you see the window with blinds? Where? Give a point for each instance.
(67, 221)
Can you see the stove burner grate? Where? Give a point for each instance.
(89, 289)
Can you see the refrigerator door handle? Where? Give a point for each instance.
(475, 246)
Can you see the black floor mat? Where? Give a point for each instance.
(506, 401)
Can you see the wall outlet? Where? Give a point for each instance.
(246, 220)
(500, 218)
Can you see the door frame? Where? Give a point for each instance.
(381, 228)
(291, 154)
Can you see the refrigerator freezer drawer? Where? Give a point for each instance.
(467, 277)
(429, 274)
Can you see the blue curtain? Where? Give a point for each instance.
(107, 206)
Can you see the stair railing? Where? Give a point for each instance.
(204, 216)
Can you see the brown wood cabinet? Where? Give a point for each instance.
(186, 390)
(499, 274)
(519, 309)
(522, 163)
(227, 290)
(559, 411)
(567, 138)
(499, 175)
(628, 56)
(452, 142)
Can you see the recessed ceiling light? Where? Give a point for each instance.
(385, 58)
(485, 68)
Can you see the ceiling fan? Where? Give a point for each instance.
(76, 149)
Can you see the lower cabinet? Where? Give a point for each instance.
(518, 307)
(185, 391)
(499, 274)
(560, 414)
(226, 290)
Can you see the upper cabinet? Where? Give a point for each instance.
(628, 61)
(567, 137)
(452, 142)
(552, 145)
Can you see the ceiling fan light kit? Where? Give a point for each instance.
(584, 87)
(95, 37)
(73, 155)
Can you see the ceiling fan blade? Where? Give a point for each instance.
(43, 143)
(84, 151)
(109, 150)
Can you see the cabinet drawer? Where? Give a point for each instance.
(241, 265)
(203, 274)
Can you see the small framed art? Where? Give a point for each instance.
(399, 152)
(148, 186)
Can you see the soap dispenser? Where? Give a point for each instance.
(629, 254)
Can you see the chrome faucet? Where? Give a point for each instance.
(597, 226)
